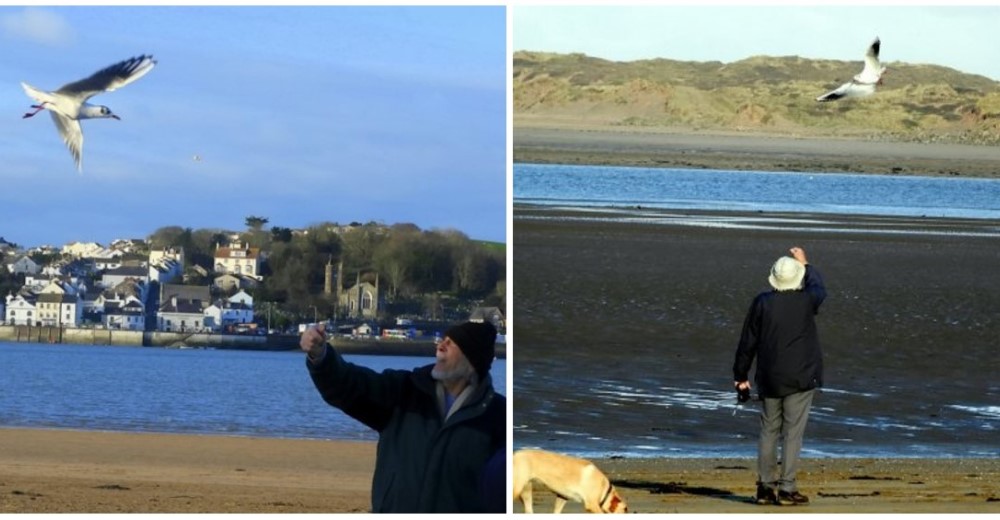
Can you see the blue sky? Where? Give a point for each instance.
(298, 114)
(965, 38)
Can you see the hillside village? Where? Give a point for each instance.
(130, 286)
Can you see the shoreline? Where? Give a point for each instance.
(673, 148)
(815, 222)
(270, 343)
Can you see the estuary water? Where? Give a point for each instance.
(147, 389)
(672, 188)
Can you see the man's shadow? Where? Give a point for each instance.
(681, 488)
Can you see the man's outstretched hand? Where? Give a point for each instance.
(799, 254)
(313, 341)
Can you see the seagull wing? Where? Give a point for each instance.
(72, 135)
(873, 69)
(851, 89)
(110, 78)
(837, 93)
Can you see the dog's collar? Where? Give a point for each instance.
(607, 493)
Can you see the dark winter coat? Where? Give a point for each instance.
(780, 331)
(424, 464)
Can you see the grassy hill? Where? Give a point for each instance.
(775, 95)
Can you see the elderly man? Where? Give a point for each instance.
(780, 331)
(438, 424)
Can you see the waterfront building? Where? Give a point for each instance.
(125, 315)
(59, 310)
(20, 310)
(180, 315)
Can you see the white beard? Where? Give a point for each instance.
(462, 372)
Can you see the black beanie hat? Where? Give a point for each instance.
(478, 342)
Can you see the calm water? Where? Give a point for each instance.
(753, 191)
(221, 392)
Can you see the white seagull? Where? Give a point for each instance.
(862, 84)
(68, 105)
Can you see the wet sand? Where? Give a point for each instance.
(666, 485)
(908, 329)
(63, 471)
(748, 151)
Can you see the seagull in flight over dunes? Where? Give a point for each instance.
(862, 84)
(68, 105)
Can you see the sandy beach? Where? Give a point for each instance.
(833, 485)
(59, 471)
(747, 151)
(63, 471)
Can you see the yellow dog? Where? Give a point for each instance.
(569, 478)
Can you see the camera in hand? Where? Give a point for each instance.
(743, 394)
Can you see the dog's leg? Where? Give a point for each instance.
(560, 504)
(526, 498)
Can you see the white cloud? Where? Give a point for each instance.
(37, 25)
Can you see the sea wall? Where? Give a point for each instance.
(50, 334)
(135, 338)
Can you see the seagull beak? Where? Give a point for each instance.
(116, 117)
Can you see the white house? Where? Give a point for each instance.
(20, 310)
(81, 249)
(222, 314)
(173, 253)
(23, 264)
(165, 270)
(228, 282)
(36, 283)
(242, 297)
(52, 270)
(128, 315)
(130, 288)
(106, 264)
(181, 316)
(241, 259)
(365, 329)
(114, 277)
(127, 245)
(110, 300)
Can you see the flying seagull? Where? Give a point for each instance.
(862, 84)
(68, 105)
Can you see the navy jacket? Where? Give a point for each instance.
(780, 331)
(423, 464)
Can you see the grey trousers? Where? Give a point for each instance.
(782, 419)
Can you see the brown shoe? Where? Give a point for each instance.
(766, 496)
(793, 498)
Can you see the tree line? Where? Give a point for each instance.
(416, 269)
